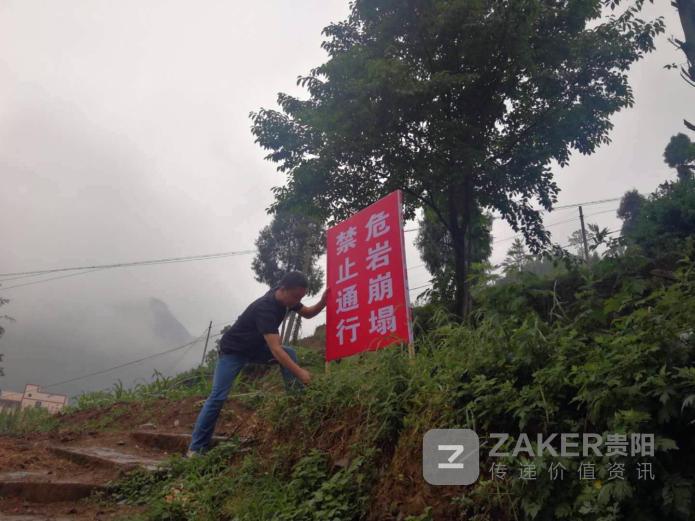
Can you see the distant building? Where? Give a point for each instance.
(10, 400)
(32, 397)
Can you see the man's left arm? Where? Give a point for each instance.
(312, 311)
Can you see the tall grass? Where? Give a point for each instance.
(17, 422)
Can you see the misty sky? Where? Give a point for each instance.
(125, 136)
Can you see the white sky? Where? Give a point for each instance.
(124, 135)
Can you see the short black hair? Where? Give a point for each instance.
(294, 279)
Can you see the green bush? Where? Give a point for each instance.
(17, 422)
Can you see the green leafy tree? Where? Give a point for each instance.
(292, 241)
(575, 240)
(3, 301)
(516, 258)
(680, 154)
(462, 104)
(629, 210)
(434, 243)
(686, 12)
(666, 218)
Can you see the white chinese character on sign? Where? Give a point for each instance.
(377, 226)
(378, 256)
(352, 324)
(380, 287)
(347, 299)
(382, 321)
(344, 271)
(346, 240)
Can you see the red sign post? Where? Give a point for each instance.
(369, 307)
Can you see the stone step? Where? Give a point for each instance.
(31, 517)
(169, 441)
(107, 457)
(41, 487)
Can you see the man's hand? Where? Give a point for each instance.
(324, 298)
(304, 376)
(273, 341)
(312, 311)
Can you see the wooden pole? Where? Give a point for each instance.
(586, 247)
(411, 352)
(206, 343)
(327, 367)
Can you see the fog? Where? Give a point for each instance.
(125, 136)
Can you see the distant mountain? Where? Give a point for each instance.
(166, 325)
(90, 337)
(155, 316)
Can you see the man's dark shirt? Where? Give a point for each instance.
(261, 317)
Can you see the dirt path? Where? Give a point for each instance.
(50, 476)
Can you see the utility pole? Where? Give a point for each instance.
(206, 343)
(586, 247)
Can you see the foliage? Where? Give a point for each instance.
(4, 301)
(205, 489)
(292, 241)
(18, 422)
(516, 258)
(462, 104)
(604, 348)
(434, 243)
(189, 383)
(665, 219)
(680, 154)
(629, 210)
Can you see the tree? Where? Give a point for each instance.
(292, 241)
(516, 257)
(665, 219)
(686, 12)
(3, 301)
(629, 210)
(577, 241)
(462, 104)
(680, 154)
(436, 251)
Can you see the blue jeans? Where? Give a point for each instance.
(228, 367)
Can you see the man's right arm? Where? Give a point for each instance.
(273, 341)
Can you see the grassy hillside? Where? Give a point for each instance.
(604, 348)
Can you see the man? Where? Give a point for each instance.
(254, 338)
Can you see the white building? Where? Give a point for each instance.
(32, 397)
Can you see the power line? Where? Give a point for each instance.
(124, 365)
(47, 280)
(588, 203)
(557, 223)
(135, 263)
(564, 207)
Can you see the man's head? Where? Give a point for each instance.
(292, 288)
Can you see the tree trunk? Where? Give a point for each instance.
(295, 333)
(289, 328)
(459, 222)
(282, 329)
(686, 11)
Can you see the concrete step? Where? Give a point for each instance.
(107, 457)
(41, 487)
(168, 441)
(31, 517)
